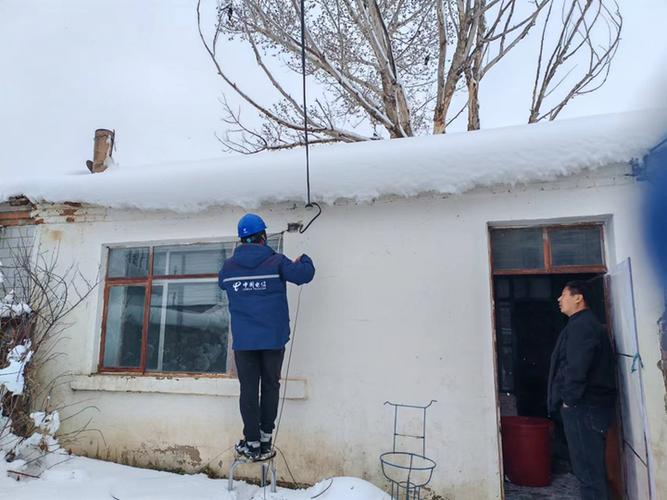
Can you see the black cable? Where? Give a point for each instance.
(289, 361)
(294, 481)
(201, 469)
(331, 480)
(309, 203)
(305, 109)
(313, 204)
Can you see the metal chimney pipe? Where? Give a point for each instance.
(103, 148)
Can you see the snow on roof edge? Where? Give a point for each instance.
(444, 164)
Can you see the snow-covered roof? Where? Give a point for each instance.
(447, 164)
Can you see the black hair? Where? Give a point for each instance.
(255, 238)
(579, 287)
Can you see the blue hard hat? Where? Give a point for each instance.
(250, 224)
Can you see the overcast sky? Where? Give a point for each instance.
(137, 66)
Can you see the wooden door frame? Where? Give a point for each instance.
(549, 270)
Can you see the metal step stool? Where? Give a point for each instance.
(268, 466)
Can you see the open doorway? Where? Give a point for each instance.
(528, 322)
(530, 268)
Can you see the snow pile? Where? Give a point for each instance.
(38, 452)
(11, 377)
(10, 308)
(48, 423)
(447, 164)
(41, 450)
(32, 456)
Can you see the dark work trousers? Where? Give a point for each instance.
(257, 369)
(585, 429)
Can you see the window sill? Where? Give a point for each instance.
(196, 386)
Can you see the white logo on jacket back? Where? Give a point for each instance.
(249, 286)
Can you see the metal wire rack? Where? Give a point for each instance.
(407, 472)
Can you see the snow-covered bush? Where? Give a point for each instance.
(32, 454)
(29, 330)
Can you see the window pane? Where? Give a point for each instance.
(125, 318)
(205, 258)
(128, 262)
(581, 246)
(16, 243)
(189, 324)
(517, 248)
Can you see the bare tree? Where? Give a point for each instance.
(396, 65)
(35, 318)
(576, 35)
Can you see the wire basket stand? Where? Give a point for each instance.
(407, 472)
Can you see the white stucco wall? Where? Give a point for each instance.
(400, 310)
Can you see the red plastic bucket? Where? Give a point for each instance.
(527, 450)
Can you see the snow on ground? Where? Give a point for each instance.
(79, 478)
(46, 472)
(446, 164)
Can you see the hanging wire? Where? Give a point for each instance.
(303, 84)
(309, 203)
(302, 230)
(289, 362)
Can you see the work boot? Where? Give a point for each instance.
(248, 449)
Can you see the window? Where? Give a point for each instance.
(549, 249)
(530, 266)
(164, 311)
(15, 249)
(518, 248)
(575, 246)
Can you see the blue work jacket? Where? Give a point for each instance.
(255, 279)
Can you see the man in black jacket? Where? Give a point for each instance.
(582, 388)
